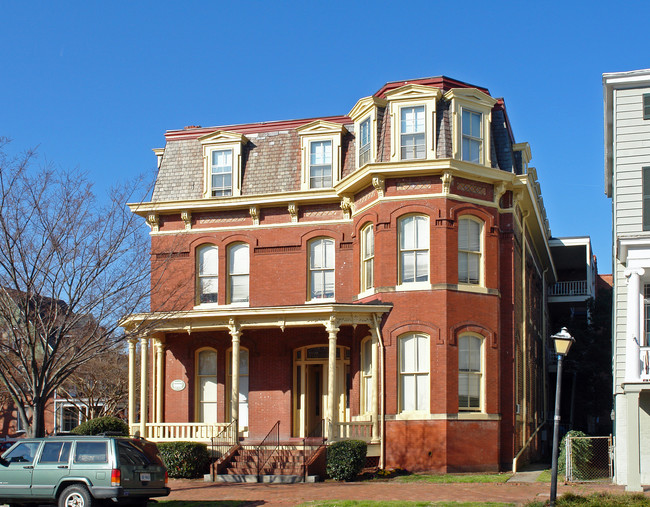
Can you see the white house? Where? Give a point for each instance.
(627, 182)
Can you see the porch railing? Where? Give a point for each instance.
(645, 363)
(316, 439)
(355, 430)
(267, 448)
(570, 288)
(193, 432)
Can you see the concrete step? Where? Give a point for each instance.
(284, 479)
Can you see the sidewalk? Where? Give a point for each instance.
(293, 494)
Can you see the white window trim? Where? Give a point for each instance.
(365, 259)
(481, 408)
(198, 276)
(313, 300)
(481, 267)
(413, 95)
(366, 109)
(219, 141)
(230, 275)
(478, 102)
(316, 131)
(197, 385)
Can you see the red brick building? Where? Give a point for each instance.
(380, 275)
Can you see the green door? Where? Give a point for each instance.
(51, 466)
(16, 472)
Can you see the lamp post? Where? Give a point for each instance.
(563, 341)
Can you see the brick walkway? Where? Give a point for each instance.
(293, 494)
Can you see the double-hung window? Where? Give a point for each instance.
(206, 385)
(320, 164)
(412, 133)
(646, 198)
(365, 141)
(208, 274)
(414, 372)
(367, 257)
(238, 273)
(414, 249)
(221, 172)
(321, 269)
(469, 373)
(472, 136)
(469, 251)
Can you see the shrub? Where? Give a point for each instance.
(102, 425)
(346, 459)
(185, 460)
(581, 451)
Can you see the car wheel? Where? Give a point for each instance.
(76, 496)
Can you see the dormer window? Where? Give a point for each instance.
(222, 155)
(472, 111)
(221, 173)
(320, 143)
(365, 115)
(412, 132)
(412, 112)
(320, 164)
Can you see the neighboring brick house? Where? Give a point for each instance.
(380, 274)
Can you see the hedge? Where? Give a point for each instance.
(185, 460)
(102, 425)
(582, 453)
(346, 459)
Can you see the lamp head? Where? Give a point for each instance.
(563, 341)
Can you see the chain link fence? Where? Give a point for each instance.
(589, 459)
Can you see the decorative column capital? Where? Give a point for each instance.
(235, 330)
(332, 327)
(153, 222)
(186, 217)
(255, 214)
(633, 272)
(346, 206)
(293, 211)
(380, 185)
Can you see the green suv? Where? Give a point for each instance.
(82, 471)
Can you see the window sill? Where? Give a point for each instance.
(213, 306)
(321, 300)
(413, 286)
(370, 292)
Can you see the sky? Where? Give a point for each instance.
(95, 85)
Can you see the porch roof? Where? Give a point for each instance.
(224, 318)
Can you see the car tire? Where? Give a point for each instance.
(76, 496)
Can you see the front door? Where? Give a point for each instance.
(310, 381)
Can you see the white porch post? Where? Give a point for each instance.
(375, 385)
(160, 378)
(235, 334)
(633, 453)
(132, 344)
(144, 384)
(633, 325)
(332, 398)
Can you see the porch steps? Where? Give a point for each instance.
(283, 464)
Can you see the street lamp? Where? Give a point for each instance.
(563, 341)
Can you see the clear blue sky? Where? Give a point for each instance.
(95, 84)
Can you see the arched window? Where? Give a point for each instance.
(366, 376)
(414, 372)
(238, 273)
(470, 373)
(206, 385)
(469, 250)
(321, 268)
(367, 258)
(414, 248)
(207, 274)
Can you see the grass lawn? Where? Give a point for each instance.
(545, 476)
(370, 503)
(451, 478)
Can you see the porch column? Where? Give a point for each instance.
(160, 378)
(144, 385)
(132, 343)
(375, 385)
(235, 334)
(633, 482)
(332, 397)
(633, 325)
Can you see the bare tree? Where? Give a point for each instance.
(71, 267)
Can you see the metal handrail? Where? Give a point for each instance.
(274, 434)
(229, 439)
(318, 433)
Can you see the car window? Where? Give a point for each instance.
(55, 452)
(24, 452)
(131, 455)
(150, 450)
(90, 452)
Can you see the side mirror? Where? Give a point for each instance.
(4, 462)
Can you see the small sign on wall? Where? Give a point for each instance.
(177, 385)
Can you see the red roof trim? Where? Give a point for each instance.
(442, 82)
(251, 128)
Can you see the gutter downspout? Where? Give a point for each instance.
(382, 411)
